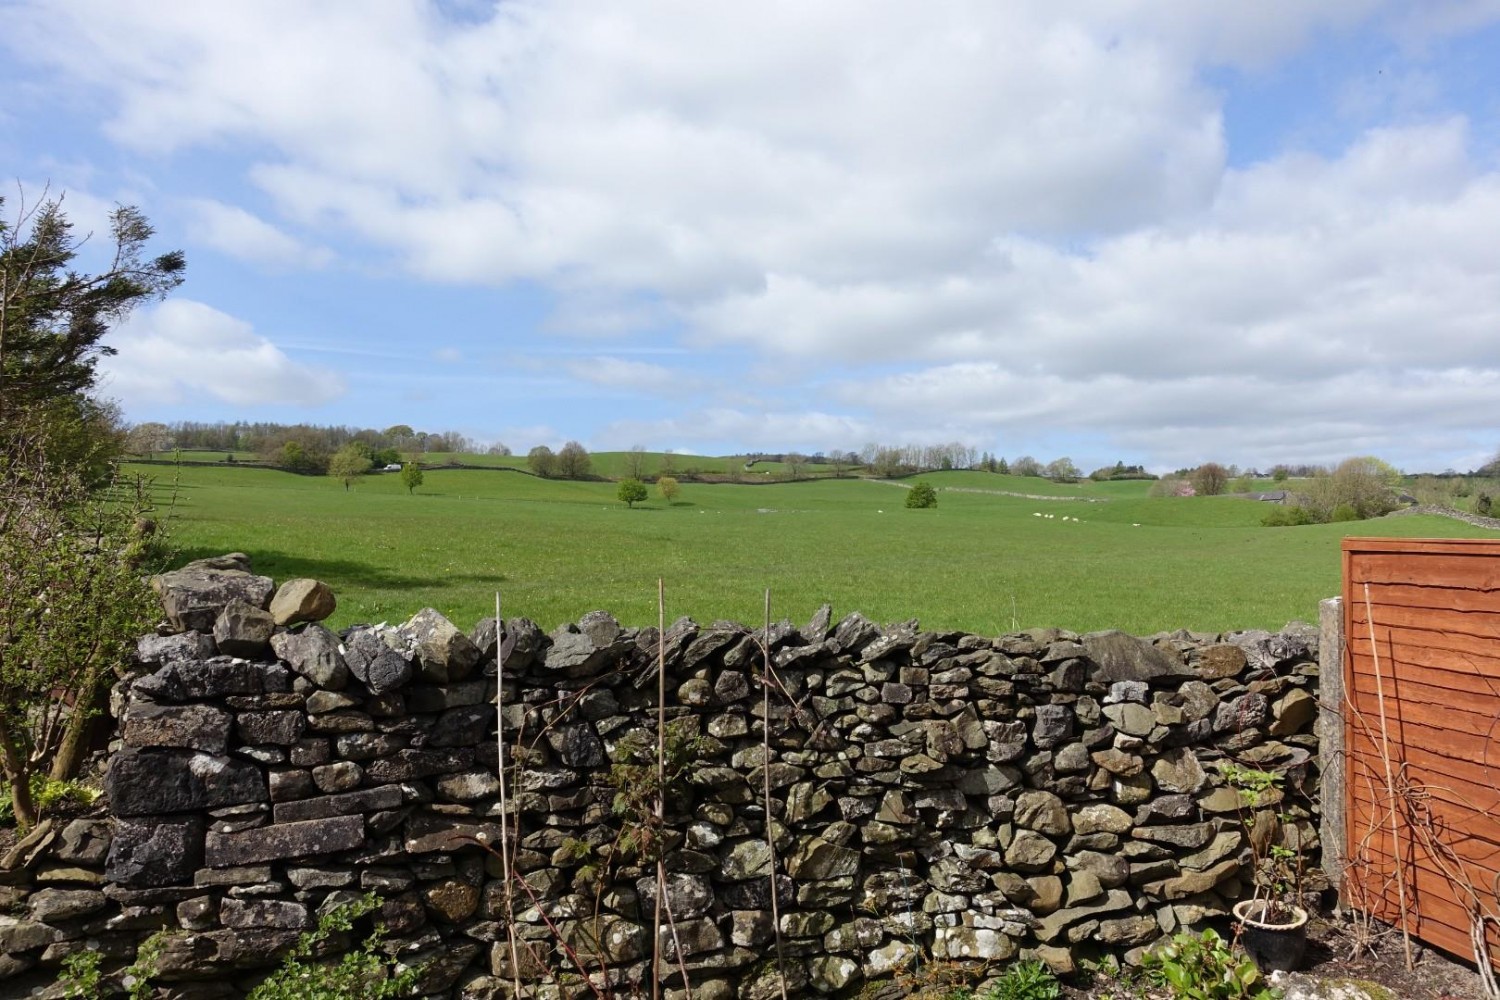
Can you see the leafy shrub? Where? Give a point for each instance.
(1483, 505)
(362, 973)
(1289, 516)
(921, 496)
(1030, 980)
(1202, 967)
(1344, 512)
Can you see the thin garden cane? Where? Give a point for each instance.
(510, 910)
(663, 902)
(1390, 783)
(765, 771)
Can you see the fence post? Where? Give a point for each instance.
(1332, 831)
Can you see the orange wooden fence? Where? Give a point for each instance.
(1422, 733)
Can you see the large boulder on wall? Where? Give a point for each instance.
(194, 596)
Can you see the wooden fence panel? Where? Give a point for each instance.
(1421, 679)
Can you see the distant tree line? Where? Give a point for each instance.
(306, 448)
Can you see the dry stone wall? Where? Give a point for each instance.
(971, 798)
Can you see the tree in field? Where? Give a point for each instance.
(411, 476)
(498, 448)
(149, 438)
(668, 487)
(1026, 466)
(349, 463)
(542, 461)
(796, 463)
(921, 496)
(635, 462)
(631, 492)
(1062, 470)
(1365, 484)
(573, 461)
(1209, 479)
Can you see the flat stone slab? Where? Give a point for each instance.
(284, 840)
(188, 727)
(347, 804)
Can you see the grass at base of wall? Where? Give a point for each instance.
(981, 561)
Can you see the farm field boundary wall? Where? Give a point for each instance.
(954, 796)
(1422, 676)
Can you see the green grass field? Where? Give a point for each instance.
(981, 561)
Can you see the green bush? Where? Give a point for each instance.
(1029, 980)
(631, 492)
(1290, 516)
(1202, 967)
(921, 496)
(1483, 505)
(1344, 512)
(362, 973)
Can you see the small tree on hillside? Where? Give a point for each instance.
(411, 476)
(669, 488)
(921, 496)
(573, 461)
(349, 463)
(635, 462)
(1209, 479)
(542, 461)
(631, 492)
(1026, 466)
(1062, 470)
(795, 464)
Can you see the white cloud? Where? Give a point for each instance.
(183, 349)
(448, 355)
(636, 376)
(234, 231)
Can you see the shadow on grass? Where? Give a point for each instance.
(283, 566)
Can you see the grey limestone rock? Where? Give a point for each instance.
(194, 595)
(443, 653)
(313, 652)
(243, 629)
(1121, 657)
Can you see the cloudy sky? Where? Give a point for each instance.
(1163, 231)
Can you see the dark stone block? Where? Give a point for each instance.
(153, 782)
(154, 851)
(282, 728)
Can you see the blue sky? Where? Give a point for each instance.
(1160, 231)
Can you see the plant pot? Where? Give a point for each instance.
(1272, 946)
